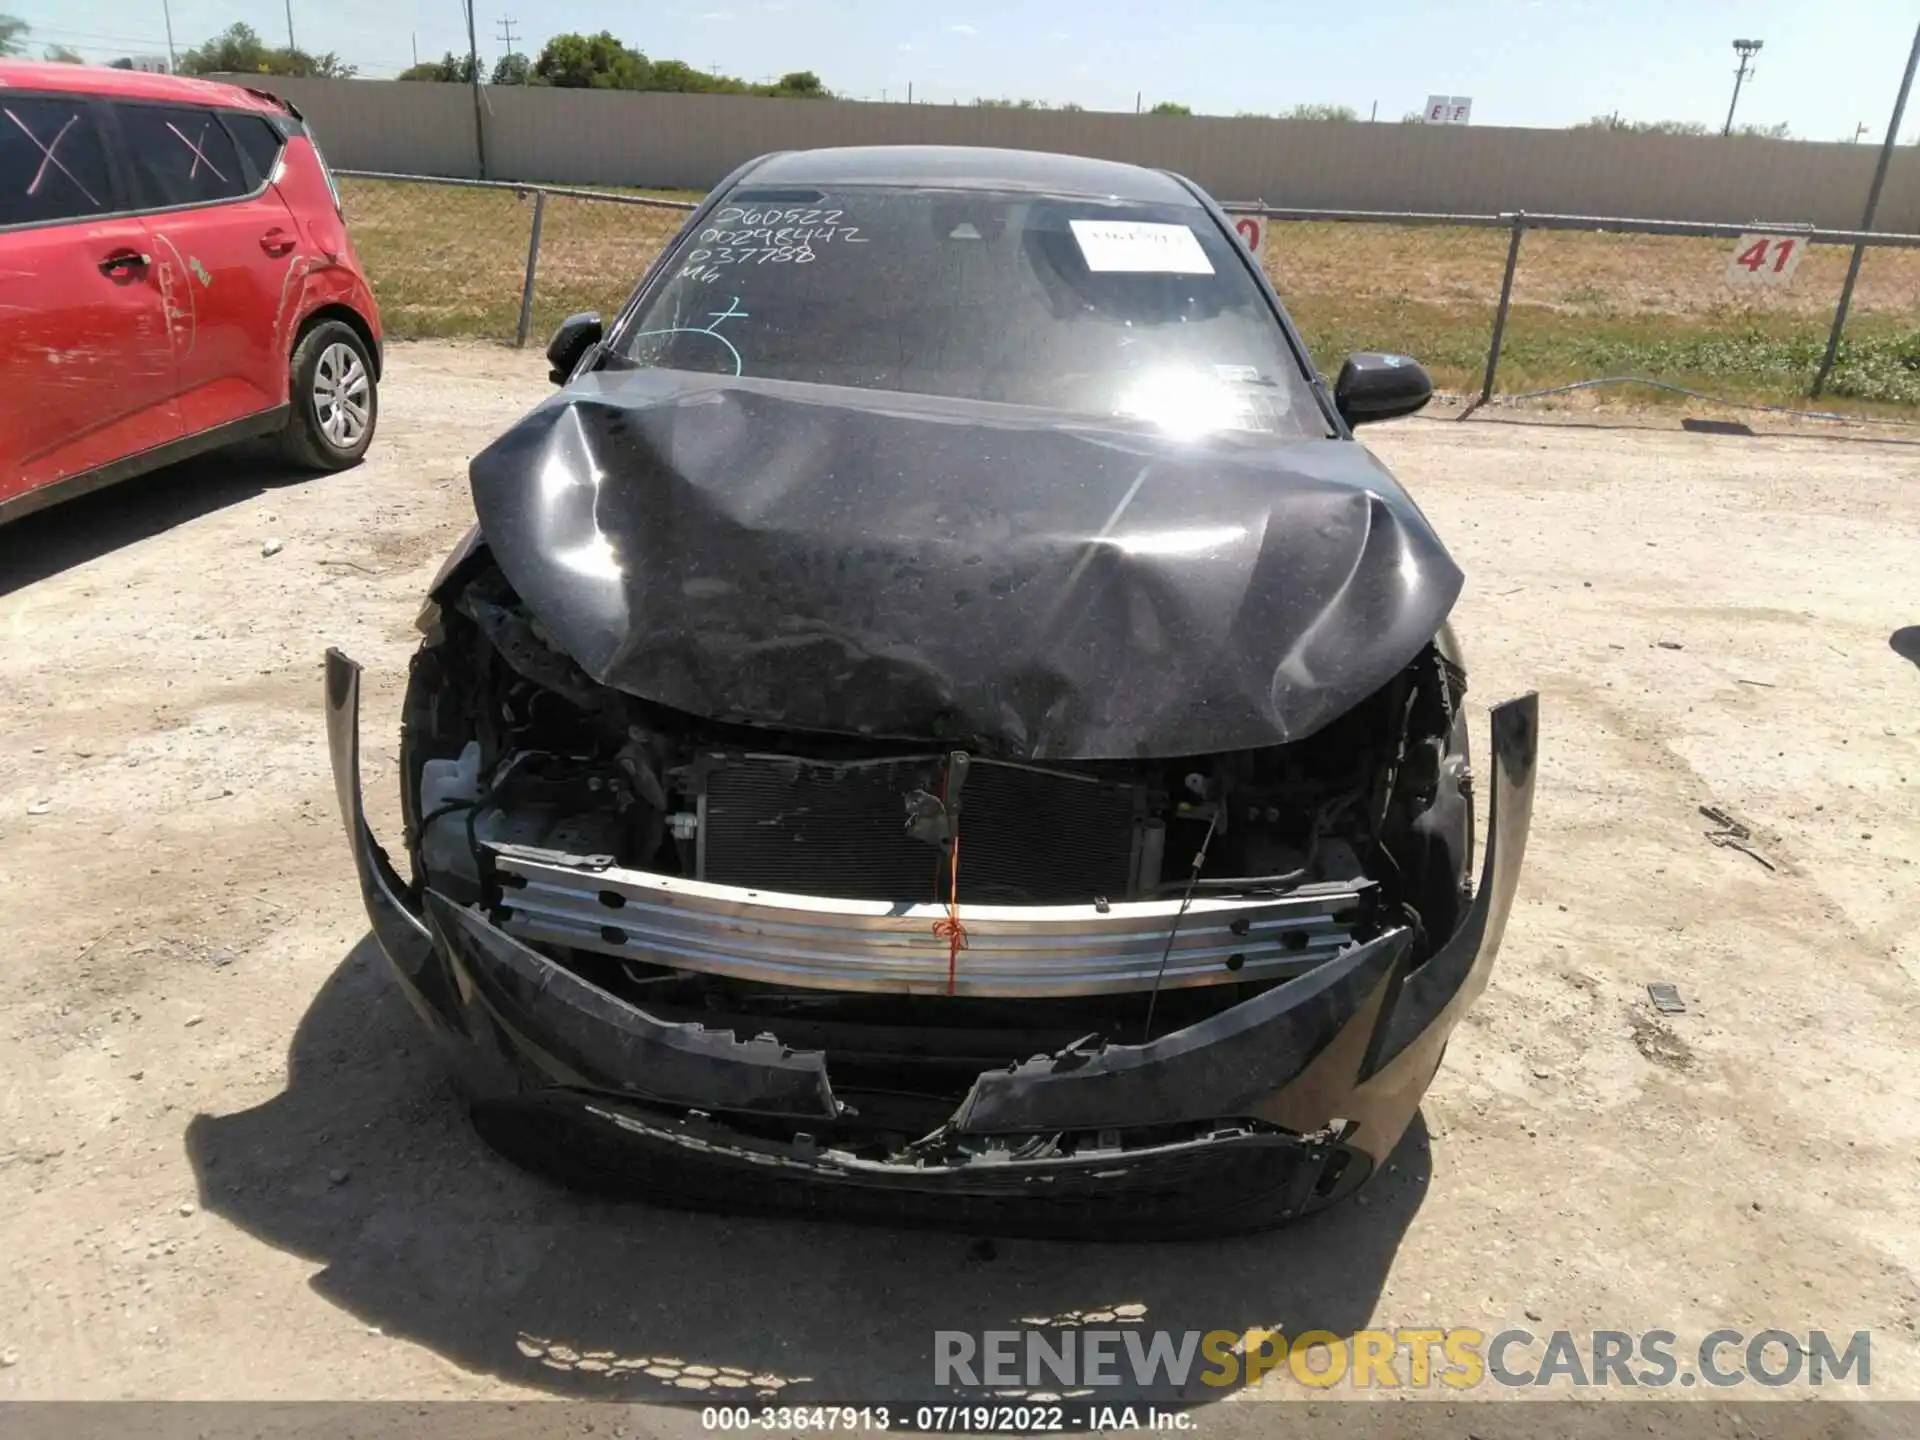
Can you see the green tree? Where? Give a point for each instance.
(591, 62)
(1322, 112)
(325, 66)
(238, 50)
(604, 62)
(514, 69)
(1170, 107)
(679, 77)
(13, 35)
(63, 55)
(1643, 127)
(448, 69)
(800, 85)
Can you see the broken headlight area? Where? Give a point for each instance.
(724, 930)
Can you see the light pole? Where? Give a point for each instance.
(173, 65)
(1748, 49)
(1866, 220)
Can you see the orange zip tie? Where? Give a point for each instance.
(948, 927)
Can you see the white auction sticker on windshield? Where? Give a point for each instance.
(1133, 247)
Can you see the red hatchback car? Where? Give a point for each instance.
(175, 275)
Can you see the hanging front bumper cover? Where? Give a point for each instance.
(1257, 1114)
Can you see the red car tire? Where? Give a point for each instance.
(335, 398)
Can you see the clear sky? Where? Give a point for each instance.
(1826, 67)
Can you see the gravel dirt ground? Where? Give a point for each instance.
(229, 1167)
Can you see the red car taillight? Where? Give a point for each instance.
(333, 187)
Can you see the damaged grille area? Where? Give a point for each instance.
(1031, 836)
(874, 946)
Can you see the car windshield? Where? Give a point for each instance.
(1096, 308)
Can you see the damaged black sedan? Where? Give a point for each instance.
(938, 719)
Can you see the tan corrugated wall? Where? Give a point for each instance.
(597, 137)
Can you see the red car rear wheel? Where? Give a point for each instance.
(335, 398)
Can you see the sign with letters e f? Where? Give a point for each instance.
(1448, 109)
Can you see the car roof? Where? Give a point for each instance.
(133, 85)
(968, 167)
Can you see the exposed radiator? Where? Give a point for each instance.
(1027, 836)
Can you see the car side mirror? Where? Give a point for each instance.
(577, 335)
(1380, 387)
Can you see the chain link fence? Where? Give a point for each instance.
(1503, 307)
(1684, 311)
(1498, 307)
(453, 258)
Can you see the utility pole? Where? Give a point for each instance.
(1866, 220)
(507, 37)
(473, 59)
(1858, 131)
(291, 44)
(1748, 49)
(173, 65)
(413, 38)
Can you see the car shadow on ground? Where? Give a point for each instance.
(366, 1165)
(1905, 642)
(75, 531)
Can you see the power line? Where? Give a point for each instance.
(58, 30)
(106, 44)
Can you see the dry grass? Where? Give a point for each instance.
(1587, 305)
(449, 262)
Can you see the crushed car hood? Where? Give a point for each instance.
(1017, 582)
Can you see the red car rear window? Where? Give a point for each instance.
(181, 156)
